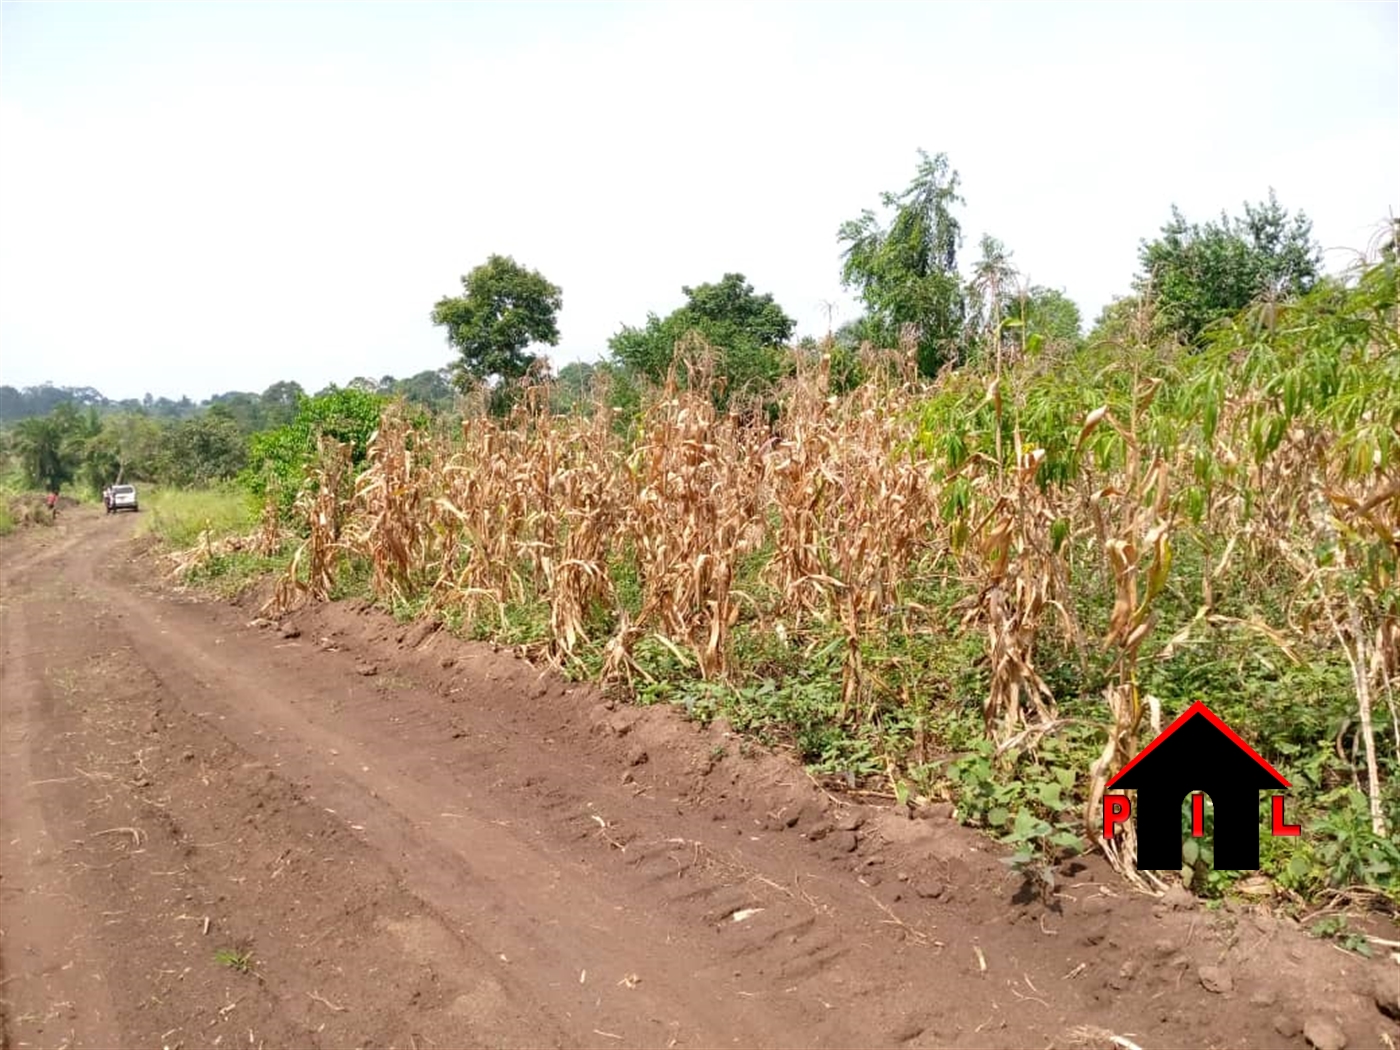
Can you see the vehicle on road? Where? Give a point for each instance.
(123, 498)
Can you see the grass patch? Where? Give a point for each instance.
(20, 505)
(178, 516)
(229, 575)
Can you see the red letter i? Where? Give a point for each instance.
(1198, 815)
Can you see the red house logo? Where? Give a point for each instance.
(1196, 753)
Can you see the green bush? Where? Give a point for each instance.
(277, 459)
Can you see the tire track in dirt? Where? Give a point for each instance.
(54, 973)
(457, 849)
(164, 844)
(535, 903)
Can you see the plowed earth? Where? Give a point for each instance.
(340, 831)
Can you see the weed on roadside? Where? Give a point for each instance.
(239, 959)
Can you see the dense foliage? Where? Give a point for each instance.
(278, 459)
(750, 333)
(907, 270)
(503, 309)
(1199, 274)
(86, 440)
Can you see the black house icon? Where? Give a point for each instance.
(1198, 752)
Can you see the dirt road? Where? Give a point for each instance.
(345, 832)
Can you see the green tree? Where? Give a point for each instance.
(907, 272)
(1043, 314)
(126, 448)
(1116, 320)
(201, 450)
(574, 387)
(750, 332)
(1199, 274)
(277, 459)
(504, 309)
(856, 333)
(13, 404)
(279, 403)
(995, 283)
(43, 399)
(245, 409)
(430, 389)
(47, 456)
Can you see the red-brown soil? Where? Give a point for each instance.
(345, 832)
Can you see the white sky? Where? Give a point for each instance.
(197, 197)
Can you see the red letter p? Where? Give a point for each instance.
(1116, 810)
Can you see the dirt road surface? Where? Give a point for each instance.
(341, 832)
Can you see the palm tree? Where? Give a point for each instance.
(44, 454)
(992, 278)
(1387, 241)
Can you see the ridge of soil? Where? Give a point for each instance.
(343, 831)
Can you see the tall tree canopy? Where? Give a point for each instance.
(280, 401)
(504, 308)
(750, 331)
(126, 448)
(1200, 274)
(202, 449)
(1047, 313)
(907, 272)
(995, 283)
(47, 452)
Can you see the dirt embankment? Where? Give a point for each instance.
(342, 832)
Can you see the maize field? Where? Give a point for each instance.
(1104, 510)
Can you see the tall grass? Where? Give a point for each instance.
(20, 505)
(178, 517)
(10, 489)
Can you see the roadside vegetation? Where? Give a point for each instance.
(958, 550)
(181, 517)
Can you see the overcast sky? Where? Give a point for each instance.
(199, 197)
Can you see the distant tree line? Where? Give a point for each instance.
(905, 263)
(86, 440)
(252, 411)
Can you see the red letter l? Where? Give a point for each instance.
(1280, 828)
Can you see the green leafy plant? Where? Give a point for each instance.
(238, 959)
(1336, 928)
(278, 460)
(1027, 808)
(1347, 850)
